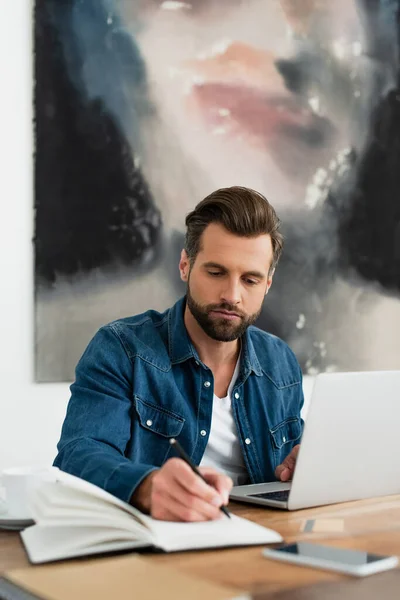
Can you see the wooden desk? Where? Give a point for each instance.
(372, 525)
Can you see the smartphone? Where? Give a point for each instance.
(342, 560)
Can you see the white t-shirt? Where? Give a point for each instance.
(223, 451)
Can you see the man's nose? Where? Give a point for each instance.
(231, 292)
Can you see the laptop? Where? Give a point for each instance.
(350, 448)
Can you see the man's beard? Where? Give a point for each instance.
(221, 330)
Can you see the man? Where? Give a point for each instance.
(199, 372)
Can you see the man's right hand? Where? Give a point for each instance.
(175, 493)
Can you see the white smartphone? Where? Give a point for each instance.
(342, 560)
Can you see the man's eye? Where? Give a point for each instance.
(214, 273)
(251, 281)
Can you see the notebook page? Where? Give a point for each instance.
(72, 493)
(235, 531)
(55, 543)
(62, 507)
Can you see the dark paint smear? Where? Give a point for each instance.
(93, 207)
(370, 230)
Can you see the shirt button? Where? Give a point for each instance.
(203, 432)
(207, 384)
(247, 441)
(284, 439)
(237, 396)
(197, 362)
(149, 422)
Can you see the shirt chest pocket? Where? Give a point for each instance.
(153, 428)
(284, 437)
(158, 420)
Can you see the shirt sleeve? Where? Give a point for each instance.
(97, 426)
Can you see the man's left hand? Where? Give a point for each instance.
(284, 472)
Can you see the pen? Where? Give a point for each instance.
(186, 458)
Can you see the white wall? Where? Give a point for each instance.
(30, 414)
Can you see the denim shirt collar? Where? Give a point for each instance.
(250, 360)
(181, 347)
(179, 344)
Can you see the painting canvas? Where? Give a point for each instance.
(144, 107)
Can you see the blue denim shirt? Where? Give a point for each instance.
(140, 382)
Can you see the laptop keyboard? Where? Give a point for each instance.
(282, 495)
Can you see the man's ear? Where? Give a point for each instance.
(269, 280)
(184, 266)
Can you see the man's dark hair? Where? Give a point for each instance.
(242, 211)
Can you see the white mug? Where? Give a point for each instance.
(18, 484)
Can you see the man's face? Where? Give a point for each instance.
(228, 281)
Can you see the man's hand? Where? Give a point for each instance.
(285, 471)
(175, 493)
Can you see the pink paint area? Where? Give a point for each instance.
(246, 113)
(239, 93)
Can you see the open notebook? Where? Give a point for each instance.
(75, 518)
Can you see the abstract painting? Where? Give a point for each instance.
(144, 107)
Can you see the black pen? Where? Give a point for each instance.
(186, 458)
